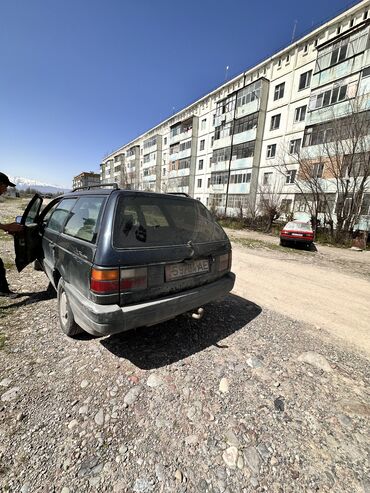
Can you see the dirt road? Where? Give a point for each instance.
(252, 398)
(327, 295)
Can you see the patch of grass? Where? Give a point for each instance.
(231, 223)
(254, 244)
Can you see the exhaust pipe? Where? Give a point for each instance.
(198, 314)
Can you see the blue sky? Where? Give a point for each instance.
(80, 78)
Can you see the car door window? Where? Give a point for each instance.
(84, 219)
(59, 215)
(32, 210)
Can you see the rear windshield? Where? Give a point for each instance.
(161, 221)
(298, 226)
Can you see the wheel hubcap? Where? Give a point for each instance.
(63, 308)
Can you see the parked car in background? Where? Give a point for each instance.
(121, 259)
(296, 232)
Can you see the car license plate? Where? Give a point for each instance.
(178, 271)
(297, 234)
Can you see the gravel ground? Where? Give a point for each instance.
(244, 400)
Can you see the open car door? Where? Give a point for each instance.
(27, 245)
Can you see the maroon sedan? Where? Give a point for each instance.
(297, 232)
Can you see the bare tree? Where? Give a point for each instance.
(270, 201)
(334, 168)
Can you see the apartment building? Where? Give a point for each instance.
(246, 135)
(86, 179)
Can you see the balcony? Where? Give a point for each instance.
(246, 162)
(239, 188)
(224, 118)
(341, 70)
(248, 108)
(223, 142)
(337, 110)
(246, 136)
(149, 178)
(186, 134)
(176, 173)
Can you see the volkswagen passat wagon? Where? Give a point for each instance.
(121, 259)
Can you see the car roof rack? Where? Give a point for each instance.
(114, 185)
(179, 193)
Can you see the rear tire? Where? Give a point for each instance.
(66, 319)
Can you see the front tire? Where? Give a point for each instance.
(66, 319)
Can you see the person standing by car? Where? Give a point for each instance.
(10, 228)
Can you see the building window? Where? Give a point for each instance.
(287, 60)
(279, 91)
(271, 150)
(305, 80)
(185, 145)
(316, 42)
(210, 161)
(208, 182)
(164, 171)
(203, 124)
(365, 15)
(267, 177)
(165, 141)
(286, 205)
(366, 72)
(226, 105)
(240, 178)
(200, 183)
(305, 49)
(212, 140)
(317, 170)
(224, 130)
(338, 30)
(290, 176)
(339, 54)
(295, 146)
(300, 114)
(275, 122)
(333, 95)
(221, 155)
(244, 150)
(248, 122)
(352, 45)
(248, 94)
(200, 164)
(219, 178)
(279, 63)
(202, 144)
(351, 22)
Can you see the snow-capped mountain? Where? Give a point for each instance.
(24, 183)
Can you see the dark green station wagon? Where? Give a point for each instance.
(121, 259)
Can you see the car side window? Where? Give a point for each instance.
(58, 215)
(84, 219)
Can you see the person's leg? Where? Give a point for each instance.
(4, 286)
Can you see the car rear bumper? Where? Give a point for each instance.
(298, 239)
(111, 319)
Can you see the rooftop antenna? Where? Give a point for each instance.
(294, 29)
(226, 72)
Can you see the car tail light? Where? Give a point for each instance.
(224, 261)
(104, 281)
(134, 279)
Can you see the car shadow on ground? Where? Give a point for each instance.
(169, 342)
(303, 246)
